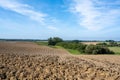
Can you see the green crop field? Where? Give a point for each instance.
(42, 43)
(76, 52)
(115, 49)
(69, 50)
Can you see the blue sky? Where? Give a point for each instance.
(68, 19)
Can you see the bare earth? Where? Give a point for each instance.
(28, 61)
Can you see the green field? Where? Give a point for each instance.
(69, 50)
(42, 43)
(115, 49)
(57, 47)
(76, 52)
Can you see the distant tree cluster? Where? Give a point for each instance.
(95, 49)
(110, 43)
(53, 41)
(102, 44)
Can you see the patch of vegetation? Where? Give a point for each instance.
(102, 44)
(76, 52)
(75, 47)
(57, 47)
(53, 41)
(110, 43)
(115, 49)
(94, 49)
(45, 43)
(86, 49)
(72, 51)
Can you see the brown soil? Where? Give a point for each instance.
(28, 61)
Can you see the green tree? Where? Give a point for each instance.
(53, 41)
(76, 41)
(113, 44)
(81, 47)
(89, 49)
(94, 49)
(50, 41)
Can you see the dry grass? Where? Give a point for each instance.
(28, 61)
(88, 43)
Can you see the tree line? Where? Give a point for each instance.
(111, 43)
(82, 48)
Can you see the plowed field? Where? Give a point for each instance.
(29, 61)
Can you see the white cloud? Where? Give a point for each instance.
(94, 14)
(23, 9)
(52, 28)
(27, 10)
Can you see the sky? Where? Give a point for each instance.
(67, 19)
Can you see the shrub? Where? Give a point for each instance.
(102, 44)
(94, 49)
(53, 41)
(112, 44)
(81, 47)
(71, 45)
(89, 49)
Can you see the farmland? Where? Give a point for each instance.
(27, 60)
(115, 49)
(88, 43)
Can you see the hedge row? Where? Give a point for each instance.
(86, 49)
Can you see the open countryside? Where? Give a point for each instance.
(59, 39)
